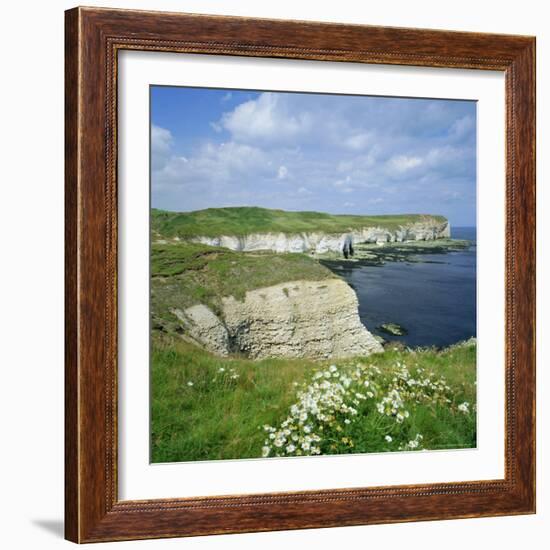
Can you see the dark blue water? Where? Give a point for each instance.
(435, 301)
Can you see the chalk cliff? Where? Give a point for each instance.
(320, 243)
(279, 321)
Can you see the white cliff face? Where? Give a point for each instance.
(321, 242)
(279, 321)
(203, 327)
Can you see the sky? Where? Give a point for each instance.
(341, 154)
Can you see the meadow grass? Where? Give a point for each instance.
(244, 220)
(207, 408)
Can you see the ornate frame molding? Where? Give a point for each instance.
(93, 38)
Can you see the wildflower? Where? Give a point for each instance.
(412, 444)
(190, 383)
(265, 451)
(332, 397)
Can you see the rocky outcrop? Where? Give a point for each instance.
(320, 243)
(279, 321)
(202, 326)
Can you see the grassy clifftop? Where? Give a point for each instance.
(184, 274)
(244, 220)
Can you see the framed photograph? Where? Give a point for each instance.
(300, 275)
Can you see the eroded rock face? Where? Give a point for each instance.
(321, 242)
(314, 319)
(203, 327)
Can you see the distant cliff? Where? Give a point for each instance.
(249, 229)
(320, 242)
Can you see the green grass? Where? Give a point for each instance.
(200, 413)
(244, 220)
(218, 417)
(185, 274)
(206, 407)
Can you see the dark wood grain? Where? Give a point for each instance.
(71, 274)
(93, 38)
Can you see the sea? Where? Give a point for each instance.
(433, 298)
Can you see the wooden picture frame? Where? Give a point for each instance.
(93, 511)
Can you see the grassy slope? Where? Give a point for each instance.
(185, 274)
(220, 417)
(245, 220)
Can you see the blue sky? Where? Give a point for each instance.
(331, 153)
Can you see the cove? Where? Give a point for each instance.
(432, 295)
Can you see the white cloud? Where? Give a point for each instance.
(161, 145)
(265, 118)
(282, 173)
(358, 141)
(443, 155)
(212, 167)
(216, 127)
(403, 163)
(341, 182)
(161, 139)
(295, 119)
(345, 165)
(462, 126)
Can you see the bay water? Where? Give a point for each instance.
(432, 297)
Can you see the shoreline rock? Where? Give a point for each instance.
(393, 328)
(408, 251)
